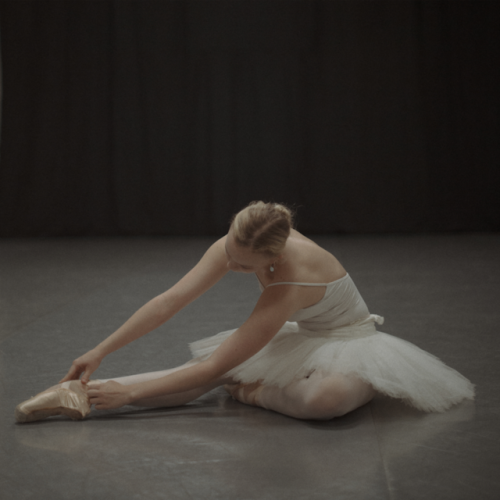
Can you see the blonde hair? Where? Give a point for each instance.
(263, 227)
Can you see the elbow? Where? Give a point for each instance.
(164, 307)
(157, 311)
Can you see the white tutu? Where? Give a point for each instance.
(391, 365)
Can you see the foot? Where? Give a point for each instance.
(246, 393)
(69, 398)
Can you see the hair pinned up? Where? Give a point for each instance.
(263, 227)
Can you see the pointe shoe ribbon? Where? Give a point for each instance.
(69, 398)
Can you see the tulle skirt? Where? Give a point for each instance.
(391, 365)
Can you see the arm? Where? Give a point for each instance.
(272, 310)
(209, 270)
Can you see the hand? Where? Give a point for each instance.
(109, 395)
(86, 364)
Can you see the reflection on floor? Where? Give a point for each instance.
(59, 298)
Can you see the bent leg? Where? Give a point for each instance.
(318, 396)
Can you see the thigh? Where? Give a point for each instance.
(319, 395)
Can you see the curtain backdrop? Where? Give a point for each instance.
(165, 117)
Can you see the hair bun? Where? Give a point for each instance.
(263, 227)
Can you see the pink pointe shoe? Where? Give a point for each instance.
(69, 398)
(246, 393)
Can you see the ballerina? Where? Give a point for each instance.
(309, 349)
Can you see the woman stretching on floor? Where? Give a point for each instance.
(309, 349)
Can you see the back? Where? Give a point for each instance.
(341, 305)
(306, 262)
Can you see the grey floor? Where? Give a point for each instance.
(60, 297)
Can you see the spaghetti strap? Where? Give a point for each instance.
(337, 335)
(305, 284)
(297, 283)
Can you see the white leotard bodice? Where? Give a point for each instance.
(338, 335)
(341, 305)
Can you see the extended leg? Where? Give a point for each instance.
(71, 399)
(318, 396)
(170, 399)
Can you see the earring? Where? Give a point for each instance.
(272, 268)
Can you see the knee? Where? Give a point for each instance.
(328, 400)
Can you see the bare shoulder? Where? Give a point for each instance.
(313, 263)
(215, 256)
(208, 271)
(219, 246)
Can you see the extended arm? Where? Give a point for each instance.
(209, 270)
(270, 313)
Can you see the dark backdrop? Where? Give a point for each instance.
(165, 117)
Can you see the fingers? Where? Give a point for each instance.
(98, 405)
(94, 395)
(73, 374)
(94, 392)
(85, 377)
